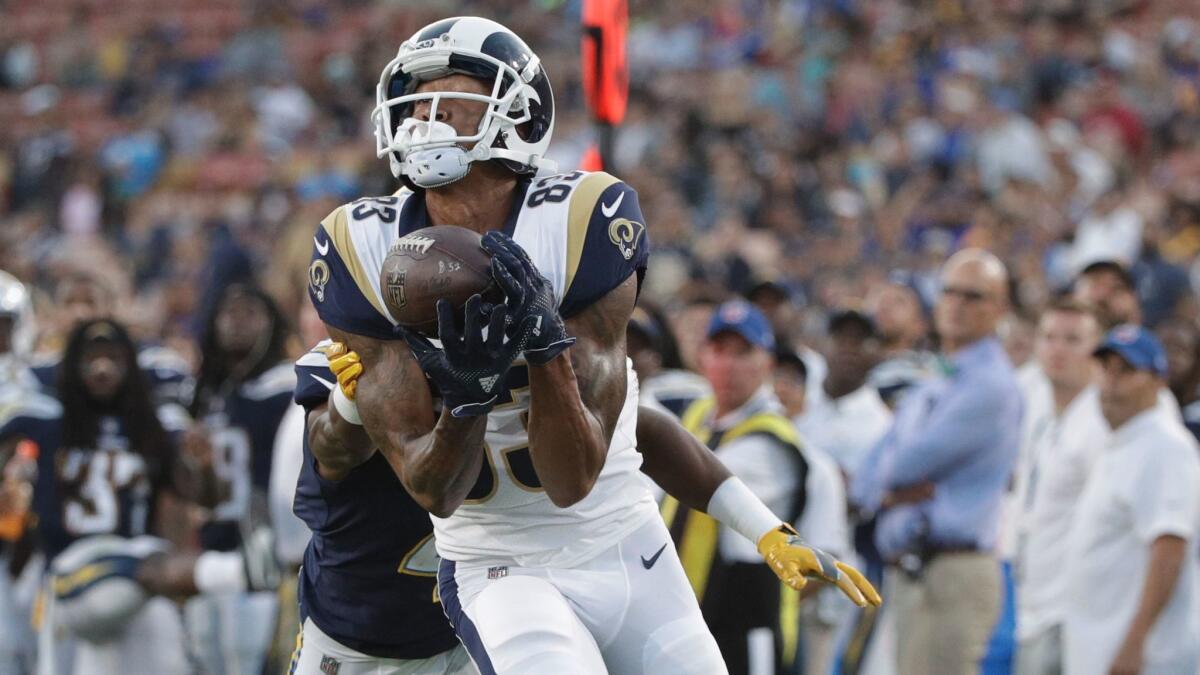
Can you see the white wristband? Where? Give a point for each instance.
(736, 507)
(346, 408)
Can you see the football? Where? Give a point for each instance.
(430, 264)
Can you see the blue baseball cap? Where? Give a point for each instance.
(743, 318)
(1138, 346)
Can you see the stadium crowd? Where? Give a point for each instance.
(821, 160)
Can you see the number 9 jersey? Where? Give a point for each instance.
(585, 233)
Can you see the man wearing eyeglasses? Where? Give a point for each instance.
(934, 482)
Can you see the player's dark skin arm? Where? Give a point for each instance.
(337, 445)
(681, 465)
(436, 458)
(575, 402)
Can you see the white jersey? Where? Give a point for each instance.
(585, 233)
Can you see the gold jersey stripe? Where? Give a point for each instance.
(337, 226)
(583, 202)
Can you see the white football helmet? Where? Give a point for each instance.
(95, 589)
(515, 129)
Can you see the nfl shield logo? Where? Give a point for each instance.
(330, 665)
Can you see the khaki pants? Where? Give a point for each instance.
(946, 617)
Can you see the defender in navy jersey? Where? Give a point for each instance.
(243, 389)
(368, 580)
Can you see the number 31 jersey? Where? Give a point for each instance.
(586, 234)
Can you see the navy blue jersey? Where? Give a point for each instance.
(106, 489)
(168, 374)
(242, 425)
(369, 573)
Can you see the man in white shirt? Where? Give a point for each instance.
(1132, 591)
(846, 417)
(1064, 431)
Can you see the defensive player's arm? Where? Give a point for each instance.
(436, 458)
(672, 457)
(692, 474)
(337, 445)
(575, 401)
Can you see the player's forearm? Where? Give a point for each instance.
(439, 468)
(567, 443)
(337, 445)
(681, 465)
(1167, 556)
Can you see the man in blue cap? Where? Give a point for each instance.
(1133, 582)
(745, 425)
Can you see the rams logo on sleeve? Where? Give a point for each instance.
(318, 276)
(625, 235)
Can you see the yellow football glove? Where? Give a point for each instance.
(345, 365)
(795, 562)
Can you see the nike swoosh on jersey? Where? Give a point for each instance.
(610, 210)
(328, 385)
(653, 559)
(324, 248)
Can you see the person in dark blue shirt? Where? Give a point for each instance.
(105, 453)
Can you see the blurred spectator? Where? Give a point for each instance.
(689, 323)
(1064, 432)
(1016, 333)
(1163, 288)
(1181, 340)
(774, 301)
(1109, 289)
(901, 318)
(790, 380)
(661, 379)
(1137, 523)
(847, 417)
(41, 154)
(1111, 232)
(935, 480)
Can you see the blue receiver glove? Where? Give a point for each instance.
(527, 295)
(469, 368)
